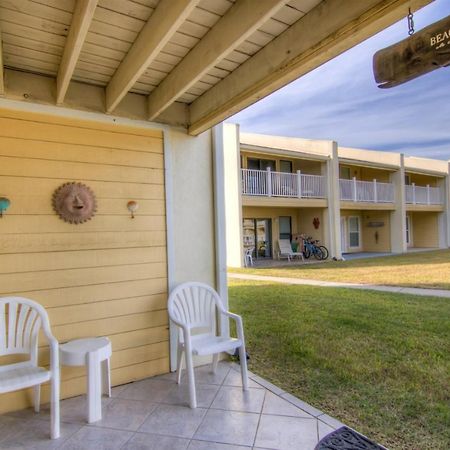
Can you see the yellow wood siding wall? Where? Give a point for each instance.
(425, 229)
(107, 276)
(376, 239)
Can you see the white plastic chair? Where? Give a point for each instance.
(285, 250)
(248, 256)
(194, 307)
(20, 322)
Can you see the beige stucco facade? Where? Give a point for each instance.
(369, 201)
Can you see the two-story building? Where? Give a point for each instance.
(352, 200)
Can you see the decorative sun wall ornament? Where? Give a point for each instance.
(74, 202)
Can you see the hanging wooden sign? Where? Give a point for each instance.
(421, 53)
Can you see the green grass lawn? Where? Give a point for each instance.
(423, 269)
(377, 361)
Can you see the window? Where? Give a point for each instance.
(286, 166)
(344, 173)
(285, 227)
(407, 180)
(353, 231)
(408, 230)
(260, 164)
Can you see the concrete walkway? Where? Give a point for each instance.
(372, 287)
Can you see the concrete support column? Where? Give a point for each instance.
(444, 217)
(333, 213)
(227, 151)
(398, 216)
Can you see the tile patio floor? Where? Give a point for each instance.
(152, 414)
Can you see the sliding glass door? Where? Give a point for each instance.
(258, 236)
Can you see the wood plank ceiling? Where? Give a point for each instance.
(169, 50)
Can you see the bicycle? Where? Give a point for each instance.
(312, 247)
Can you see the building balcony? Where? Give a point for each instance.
(268, 183)
(366, 191)
(423, 195)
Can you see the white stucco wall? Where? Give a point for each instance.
(192, 207)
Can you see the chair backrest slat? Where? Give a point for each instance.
(20, 322)
(28, 334)
(194, 305)
(12, 321)
(20, 338)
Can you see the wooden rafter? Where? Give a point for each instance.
(162, 24)
(242, 19)
(328, 30)
(81, 20)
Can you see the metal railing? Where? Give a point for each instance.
(268, 183)
(423, 195)
(366, 191)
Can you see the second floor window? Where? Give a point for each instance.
(260, 164)
(344, 173)
(285, 166)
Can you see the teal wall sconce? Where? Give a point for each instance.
(4, 205)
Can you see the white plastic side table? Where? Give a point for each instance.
(95, 353)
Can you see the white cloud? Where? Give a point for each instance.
(341, 101)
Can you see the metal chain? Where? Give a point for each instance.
(410, 22)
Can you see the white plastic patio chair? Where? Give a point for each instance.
(194, 307)
(20, 322)
(248, 256)
(285, 250)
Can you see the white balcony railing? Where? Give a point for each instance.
(268, 183)
(366, 191)
(423, 195)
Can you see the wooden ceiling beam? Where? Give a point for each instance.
(328, 30)
(159, 29)
(81, 20)
(241, 20)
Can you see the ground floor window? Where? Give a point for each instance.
(353, 231)
(257, 234)
(285, 227)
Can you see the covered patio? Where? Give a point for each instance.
(126, 98)
(151, 414)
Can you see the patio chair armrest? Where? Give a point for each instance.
(239, 325)
(54, 354)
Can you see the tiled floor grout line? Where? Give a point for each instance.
(259, 419)
(209, 407)
(164, 392)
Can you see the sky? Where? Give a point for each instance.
(340, 101)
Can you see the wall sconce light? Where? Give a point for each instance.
(4, 205)
(132, 206)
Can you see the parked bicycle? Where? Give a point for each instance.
(312, 248)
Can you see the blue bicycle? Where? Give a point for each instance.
(312, 247)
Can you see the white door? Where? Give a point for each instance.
(343, 235)
(409, 241)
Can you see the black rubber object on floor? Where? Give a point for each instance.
(346, 439)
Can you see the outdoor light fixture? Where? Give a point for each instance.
(4, 205)
(132, 206)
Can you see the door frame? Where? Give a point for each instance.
(344, 248)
